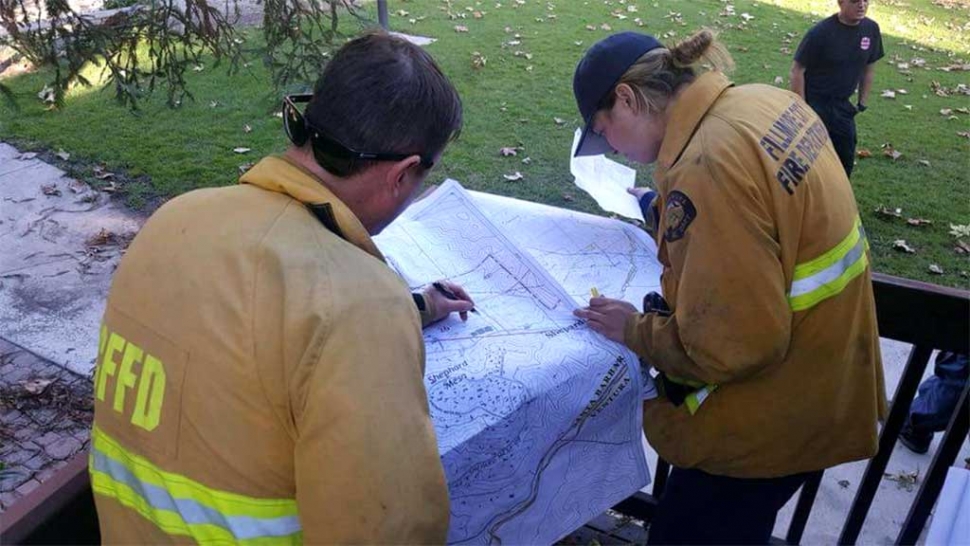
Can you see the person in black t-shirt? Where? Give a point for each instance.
(837, 56)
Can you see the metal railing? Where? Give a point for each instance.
(929, 317)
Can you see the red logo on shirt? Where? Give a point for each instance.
(865, 43)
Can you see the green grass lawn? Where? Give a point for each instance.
(515, 98)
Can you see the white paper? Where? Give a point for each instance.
(606, 181)
(951, 520)
(538, 418)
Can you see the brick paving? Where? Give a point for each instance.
(45, 418)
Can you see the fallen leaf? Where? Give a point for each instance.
(962, 248)
(63, 155)
(568, 197)
(213, 104)
(245, 167)
(50, 190)
(935, 269)
(946, 112)
(36, 386)
(964, 134)
(247, 129)
(779, 80)
(960, 231)
(578, 42)
(890, 152)
(919, 222)
(47, 95)
(515, 177)
(863, 153)
(900, 245)
(888, 94)
(526, 160)
(478, 60)
(198, 68)
(606, 27)
(902, 92)
(559, 121)
(506, 152)
(102, 174)
(478, 15)
(904, 480)
(26, 156)
(908, 106)
(110, 187)
(461, 28)
(590, 27)
(241, 150)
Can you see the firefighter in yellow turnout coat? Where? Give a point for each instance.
(765, 338)
(260, 374)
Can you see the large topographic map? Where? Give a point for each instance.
(538, 417)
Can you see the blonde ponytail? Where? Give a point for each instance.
(660, 73)
(702, 47)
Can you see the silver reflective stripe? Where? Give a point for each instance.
(242, 527)
(830, 273)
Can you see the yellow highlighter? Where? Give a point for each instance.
(594, 292)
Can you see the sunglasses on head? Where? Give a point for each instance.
(333, 155)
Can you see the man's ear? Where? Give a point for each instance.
(397, 177)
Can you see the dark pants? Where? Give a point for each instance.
(700, 508)
(939, 395)
(839, 118)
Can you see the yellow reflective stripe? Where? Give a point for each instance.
(694, 400)
(168, 521)
(832, 256)
(829, 274)
(228, 504)
(807, 301)
(683, 381)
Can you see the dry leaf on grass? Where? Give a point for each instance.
(568, 197)
(61, 154)
(241, 150)
(247, 129)
(27, 156)
(478, 60)
(514, 177)
(918, 222)
(902, 246)
(506, 152)
(886, 212)
(888, 94)
(935, 269)
(559, 121)
(526, 160)
(102, 174)
(461, 28)
(962, 248)
(863, 153)
(960, 231)
(890, 152)
(924, 162)
(245, 167)
(50, 190)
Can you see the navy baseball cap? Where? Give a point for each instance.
(597, 74)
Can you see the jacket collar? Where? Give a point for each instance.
(281, 175)
(688, 110)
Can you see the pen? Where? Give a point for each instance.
(448, 293)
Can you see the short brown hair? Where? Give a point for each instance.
(383, 94)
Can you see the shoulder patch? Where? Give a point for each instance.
(679, 212)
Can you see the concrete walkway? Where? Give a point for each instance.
(60, 241)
